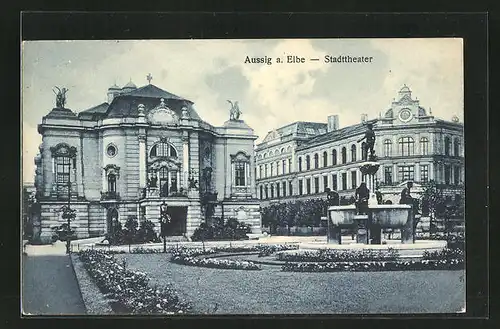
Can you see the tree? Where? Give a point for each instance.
(431, 200)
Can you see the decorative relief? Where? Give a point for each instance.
(63, 149)
(162, 115)
(240, 157)
(112, 169)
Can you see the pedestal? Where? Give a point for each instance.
(362, 233)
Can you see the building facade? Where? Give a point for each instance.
(303, 159)
(143, 148)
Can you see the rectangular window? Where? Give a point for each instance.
(334, 182)
(277, 190)
(261, 192)
(272, 191)
(424, 173)
(308, 186)
(283, 171)
(325, 183)
(289, 165)
(62, 174)
(388, 175)
(406, 173)
(456, 175)
(290, 188)
(284, 188)
(265, 170)
(260, 171)
(239, 169)
(267, 192)
(316, 185)
(447, 174)
(353, 180)
(301, 188)
(344, 181)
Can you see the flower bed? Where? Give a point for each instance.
(186, 256)
(129, 290)
(214, 263)
(264, 250)
(443, 264)
(341, 256)
(142, 250)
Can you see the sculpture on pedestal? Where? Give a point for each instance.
(361, 196)
(234, 112)
(370, 143)
(60, 97)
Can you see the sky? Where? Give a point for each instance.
(210, 72)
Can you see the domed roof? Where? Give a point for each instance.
(405, 89)
(130, 85)
(114, 87)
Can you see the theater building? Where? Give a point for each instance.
(302, 159)
(142, 148)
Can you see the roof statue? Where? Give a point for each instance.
(149, 77)
(234, 112)
(60, 97)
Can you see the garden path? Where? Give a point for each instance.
(49, 285)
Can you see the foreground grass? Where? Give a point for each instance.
(216, 291)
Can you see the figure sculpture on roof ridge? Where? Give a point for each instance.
(234, 112)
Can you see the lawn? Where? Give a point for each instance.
(268, 291)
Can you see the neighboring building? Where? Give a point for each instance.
(301, 160)
(28, 196)
(143, 147)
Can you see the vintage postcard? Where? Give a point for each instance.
(271, 176)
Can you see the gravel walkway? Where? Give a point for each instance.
(271, 291)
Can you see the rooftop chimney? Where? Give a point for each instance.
(333, 122)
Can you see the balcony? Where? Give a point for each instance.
(155, 192)
(110, 196)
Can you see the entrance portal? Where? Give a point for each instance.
(112, 217)
(179, 218)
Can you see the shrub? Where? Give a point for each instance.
(221, 230)
(147, 232)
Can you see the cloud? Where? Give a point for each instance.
(208, 72)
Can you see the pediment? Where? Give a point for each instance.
(163, 115)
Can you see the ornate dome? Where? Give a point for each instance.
(405, 89)
(130, 85)
(114, 87)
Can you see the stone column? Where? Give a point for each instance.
(79, 173)
(142, 161)
(104, 185)
(417, 172)
(185, 159)
(431, 171)
(178, 179)
(395, 176)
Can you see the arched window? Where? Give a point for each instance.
(316, 160)
(334, 157)
(456, 147)
(447, 145)
(282, 150)
(353, 152)
(308, 162)
(163, 149)
(424, 146)
(272, 169)
(387, 148)
(325, 159)
(300, 163)
(261, 192)
(344, 155)
(363, 153)
(267, 191)
(112, 183)
(278, 168)
(283, 167)
(407, 146)
(272, 191)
